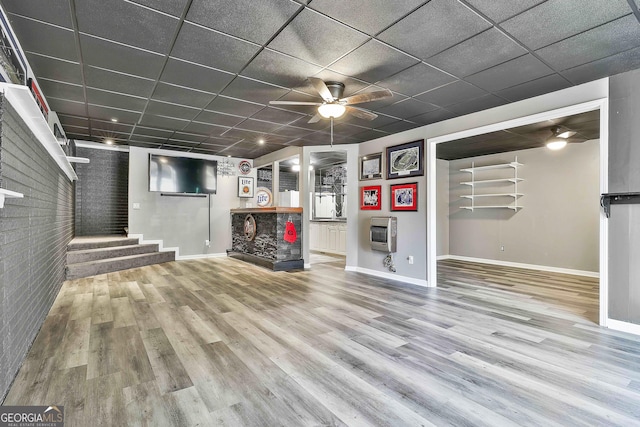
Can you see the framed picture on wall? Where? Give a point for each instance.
(404, 197)
(371, 197)
(405, 160)
(371, 166)
(245, 187)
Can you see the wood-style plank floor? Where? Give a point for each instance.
(220, 342)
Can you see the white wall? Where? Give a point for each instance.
(442, 202)
(181, 222)
(559, 224)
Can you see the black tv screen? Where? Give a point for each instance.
(169, 174)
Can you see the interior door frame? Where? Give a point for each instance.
(600, 104)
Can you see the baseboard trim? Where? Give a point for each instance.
(160, 244)
(307, 266)
(584, 273)
(619, 325)
(391, 276)
(201, 256)
(441, 257)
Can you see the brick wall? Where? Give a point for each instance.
(102, 192)
(34, 233)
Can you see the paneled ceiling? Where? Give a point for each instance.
(197, 75)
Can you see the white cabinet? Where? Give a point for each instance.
(330, 237)
(504, 193)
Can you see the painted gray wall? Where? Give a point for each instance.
(559, 225)
(624, 176)
(442, 209)
(181, 222)
(34, 232)
(101, 192)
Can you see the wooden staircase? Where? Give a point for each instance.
(90, 256)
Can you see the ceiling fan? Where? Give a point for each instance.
(333, 105)
(559, 138)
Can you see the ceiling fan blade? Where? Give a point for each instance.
(366, 97)
(321, 87)
(294, 103)
(315, 118)
(360, 113)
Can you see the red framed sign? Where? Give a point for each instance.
(370, 197)
(404, 197)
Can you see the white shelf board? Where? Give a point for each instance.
(470, 208)
(469, 196)
(72, 159)
(489, 181)
(21, 99)
(489, 167)
(8, 194)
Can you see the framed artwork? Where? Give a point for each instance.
(404, 197)
(371, 166)
(371, 198)
(245, 187)
(405, 160)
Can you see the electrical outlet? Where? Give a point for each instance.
(207, 242)
(410, 259)
(136, 206)
(502, 248)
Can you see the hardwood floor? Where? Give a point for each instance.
(221, 342)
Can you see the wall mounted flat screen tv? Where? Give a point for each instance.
(168, 174)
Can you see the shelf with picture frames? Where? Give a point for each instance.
(476, 185)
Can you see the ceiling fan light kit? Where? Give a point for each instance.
(556, 144)
(331, 110)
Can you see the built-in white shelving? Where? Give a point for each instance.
(493, 182)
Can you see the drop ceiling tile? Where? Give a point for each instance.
(344, 129)
(61, 90)
(161, 133)
(112, 56)
(606, 40)
(555, 20)
(73, 120)
(220, 141)
(55, 69)
(205, 128)
(150, 139)
(201, 149)
(298, 96)
(227, 105)
(433, 116)
(378, 122)
(443, 23)
(483, 102)
(76, 130)
(452, 93)
(177, 146)
(144, 144)
(370, 135)
(107, 134)
(316, 38)
(45, 39)
(291, 131)
(625, 61)
(252, 90)
(188, 137)
(369, 16)
(172, 7)
(219, 119)
(126, 23)
(117, 82)
(181, 95)
(109, 126)
(258, 126)
(304, 124)
(163, 122)
(62, 106)
(159, 108)
(107, 113)
(478, 53)
(236, 152)
(399, 126)
(515, 72)
(239, 17)
(276, 115)
(203, 46)
(195, 76)
(373, 61)
(408, 108)
(499, 10)
(533, 88)
(417, 79)
(115, 100)
(283, 70)
(52, 12)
